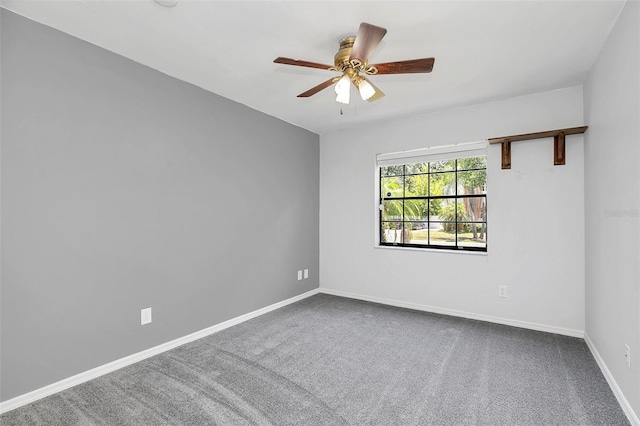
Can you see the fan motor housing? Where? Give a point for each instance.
(341, 60)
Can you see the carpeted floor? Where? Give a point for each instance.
(327, 360)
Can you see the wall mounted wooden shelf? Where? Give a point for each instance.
(558, 143)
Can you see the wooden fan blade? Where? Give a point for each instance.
(318, 88)
(296, 62)
(406, 67)
(379, 94)
(367, 39)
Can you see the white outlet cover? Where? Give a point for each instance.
(299, 275)
(503, 291)
(306, 273)
(145, 316)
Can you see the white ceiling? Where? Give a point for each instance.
(484, 50)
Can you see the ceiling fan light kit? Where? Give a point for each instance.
(352, 61)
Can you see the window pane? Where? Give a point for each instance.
(415, 210)
(391, 232)
(462, 212)
(445, 236)
(472, 182)
(442, 166)
(437, 208)
(391, 171)
(436, 225)
(472, 163)
(442, 184)
(411, 169)
(473, 235)
(418, 232)
(471, 209)
(415, 225)
(417, 186)
(392, 187)
(392, 210)
(447, 209)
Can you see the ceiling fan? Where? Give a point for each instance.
(352, 60)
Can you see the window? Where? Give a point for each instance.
(440, 203)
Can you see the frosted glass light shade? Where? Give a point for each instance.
(366, 90)
(343, 90)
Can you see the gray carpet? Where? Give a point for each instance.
(333, 361)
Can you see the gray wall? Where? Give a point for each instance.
(612, 200)
(123, 188)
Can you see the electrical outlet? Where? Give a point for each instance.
(145, 316)
(627, 355)
(299, 275)
(306, 274)
(503, 291)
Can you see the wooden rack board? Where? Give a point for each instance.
(558, 143)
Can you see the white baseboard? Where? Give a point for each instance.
(462, 314)
(626, 407)
(85, 376)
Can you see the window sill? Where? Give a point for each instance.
(432, 250)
